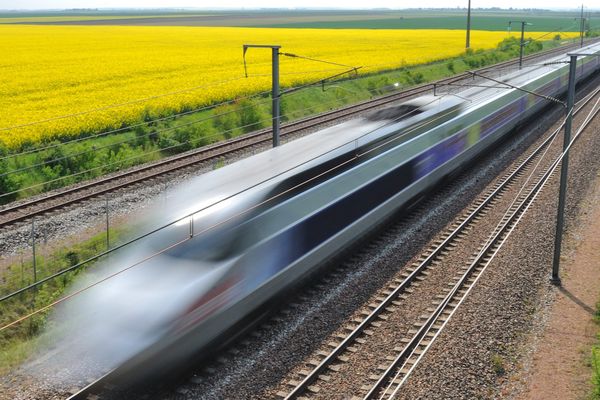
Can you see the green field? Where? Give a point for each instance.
(478, 22)
(494, 20)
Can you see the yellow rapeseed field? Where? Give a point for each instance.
(51, 71)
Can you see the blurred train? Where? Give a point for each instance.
(263, 223)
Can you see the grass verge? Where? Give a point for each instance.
(595, 360)
(20, 340)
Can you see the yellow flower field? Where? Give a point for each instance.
(51, 71)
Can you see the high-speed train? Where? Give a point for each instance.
(244, 233)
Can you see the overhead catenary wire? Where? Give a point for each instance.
(293, 73)
(102, 133)
(550, 98)
(126, 128)
(137, 156)
(45, 308)
(236, 194)
(191, 141)
(357, 155)
(316, 60)
(190, 215)
(557, 30)
(145, 123)
(96, 148)
(85, 288)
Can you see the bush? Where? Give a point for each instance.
(250, 117)
(141, 135)
(8, 184)
(227, 120)
(182, 136)
(532, 46)
(450, 66)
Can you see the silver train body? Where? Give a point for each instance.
(269, 220)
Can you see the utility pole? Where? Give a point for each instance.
(581, 27)
(560, 215)
(33, 249)
(107, 224)
(582, 20)
(468, 26)
(275, 95)
(555, 279)
(523, 23)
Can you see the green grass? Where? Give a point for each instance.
(18, 342)
(498, 364)
(594, 359)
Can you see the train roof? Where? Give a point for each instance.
(518, 78)
(274, 165)
(270, 167)
(416, 106)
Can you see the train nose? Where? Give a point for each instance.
(125, 315)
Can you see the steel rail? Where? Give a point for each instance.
(78, 193)
(303, 385)
(464, 285)
(99, 384)
(92, 388)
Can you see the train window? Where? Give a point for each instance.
(220, 251)
(396, 113)
(217, 245)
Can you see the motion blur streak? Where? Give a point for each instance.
(282, 214)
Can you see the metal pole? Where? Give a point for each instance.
(555, 279)
(581, 28)
(107, 225)
(276, 99)
(33, 249)
(522, 44)
(275, 92)
(468, 26)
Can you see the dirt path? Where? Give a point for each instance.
(560, 361)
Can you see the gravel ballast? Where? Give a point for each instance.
(264, 358)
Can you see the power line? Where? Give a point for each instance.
(98, 134)
(129, 127)
(550, 98)
(190, 215)
(316, 60)
(96, 148)
(137, 156)
(93, 149)
(558, 30)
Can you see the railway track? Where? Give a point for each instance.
(96, 387)
(320, 374)
(50, 202)
(325, 367)
(430, 327)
